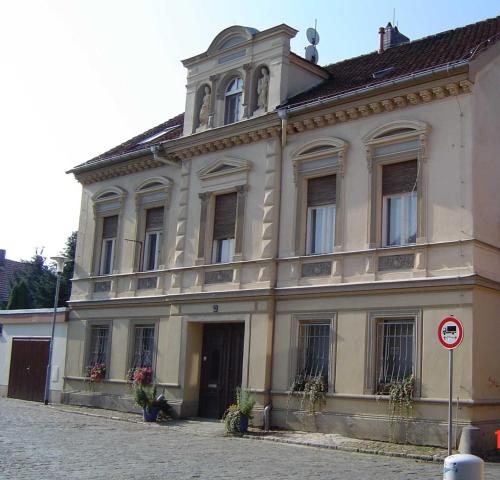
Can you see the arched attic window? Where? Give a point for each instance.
(233, 101)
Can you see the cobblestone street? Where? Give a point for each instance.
(38, 442)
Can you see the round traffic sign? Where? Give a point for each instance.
(450, 332)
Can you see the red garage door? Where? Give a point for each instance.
(28, 367)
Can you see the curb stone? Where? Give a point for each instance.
(412, 456)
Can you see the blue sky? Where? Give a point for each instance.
(80, 76)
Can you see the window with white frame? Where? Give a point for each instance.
(108, 244)
(224, 228)
(143, 346)
(233, 101)
(314, 349)
(399, 203)
(321, 211)
(395, 351)
(98, 347)
(153, 238)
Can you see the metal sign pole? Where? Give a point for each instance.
(450, 396)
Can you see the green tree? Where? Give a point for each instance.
(34, 286)
(41, 281)
(19, 297)
(69, 267)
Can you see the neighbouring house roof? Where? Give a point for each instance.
(8, 269)
(349, 75)
(33, 316)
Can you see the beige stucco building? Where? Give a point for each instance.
(303, 220)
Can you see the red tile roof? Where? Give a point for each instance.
(409, 58)
(430, 52)
(8, 269)
(172, 128)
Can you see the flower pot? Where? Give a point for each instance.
(243, 427)
(150, 414)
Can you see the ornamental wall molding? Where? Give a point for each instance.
(319, 120)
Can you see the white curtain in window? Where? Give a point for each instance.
(321, 229)
(400, 219)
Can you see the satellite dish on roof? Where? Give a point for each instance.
(312, 36)
(312, 54)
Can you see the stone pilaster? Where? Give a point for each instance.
(182, 218)
(270, 200)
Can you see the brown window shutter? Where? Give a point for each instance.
(109, 226)
(399, 177)
(225, 216)
(154, 218)
(321, 190)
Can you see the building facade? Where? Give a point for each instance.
(303, 222)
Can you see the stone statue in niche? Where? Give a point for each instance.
(262, 90)
(204, 109)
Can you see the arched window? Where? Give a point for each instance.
(233, 101)
(396, 157)
(152, 201)
(108, 207)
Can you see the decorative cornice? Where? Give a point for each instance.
(315, 120)
(380, 106)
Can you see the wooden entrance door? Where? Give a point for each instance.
(28, 368)
(221, 367)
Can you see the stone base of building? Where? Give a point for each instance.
(109, 401)
(480, 440)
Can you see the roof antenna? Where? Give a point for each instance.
(313, 38)
(394, 17)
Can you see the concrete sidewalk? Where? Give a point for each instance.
(206, 427)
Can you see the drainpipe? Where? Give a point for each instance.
(283, 114)
(381, 32)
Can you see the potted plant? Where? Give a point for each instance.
(96, 373)
(310, 388)
(145, 393)
(237, 415)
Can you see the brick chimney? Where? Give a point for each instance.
(381, 32)
(2, 258)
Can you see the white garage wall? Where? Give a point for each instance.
(33, 330)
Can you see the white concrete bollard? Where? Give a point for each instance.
(463, 467)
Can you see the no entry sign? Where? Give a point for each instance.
(450, 332)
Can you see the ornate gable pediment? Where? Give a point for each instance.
(224, 166)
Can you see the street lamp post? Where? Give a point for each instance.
(60, 267)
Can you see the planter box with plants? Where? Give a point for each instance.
(145, 394)
(236, 417)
